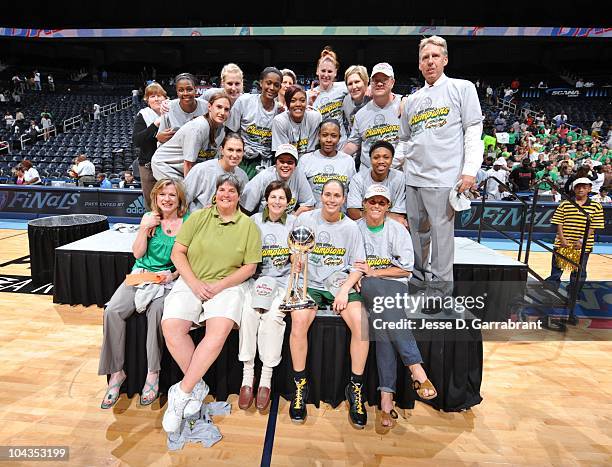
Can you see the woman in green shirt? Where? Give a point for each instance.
(152, 249)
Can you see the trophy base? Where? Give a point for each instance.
(298, 305)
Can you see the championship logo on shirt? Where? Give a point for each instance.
(428, 117)
(291, 206)
(207, 154)
(331, 109)
(327, 174)
(272, 254)
(260, 134)
(301, 146)
(382, 131)
(324, 253)
(374, 261)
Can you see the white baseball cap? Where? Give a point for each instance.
(287, 148)
(581, 180)
(501, 161)
(376, 189)
(263, 292)
(383, 68)
(459, 201)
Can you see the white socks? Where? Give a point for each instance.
(266, 376)
(248, 373)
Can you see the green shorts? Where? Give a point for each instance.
(325, 299)
(250, 166)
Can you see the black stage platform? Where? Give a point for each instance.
(88, 271)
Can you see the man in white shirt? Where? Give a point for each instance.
(441, 126)
(84, 170)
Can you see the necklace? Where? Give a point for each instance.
(169, 227)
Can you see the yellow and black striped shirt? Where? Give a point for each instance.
(574, 222)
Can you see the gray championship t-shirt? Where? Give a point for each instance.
(338, 245)
(329, 105)
(190, 143)
(391, 246)
(177, 117)
(303, 135)
(253, 195)
(350, 110)
(254, 123)
(373, 123)
(433, 124)
(319, 169)
(395, 182)
(201, 183)
(275, 254)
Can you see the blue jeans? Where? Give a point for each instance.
(389, 342)
(556, 272)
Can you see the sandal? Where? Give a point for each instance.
(420, 389)
(150, 391)
(387, 419)
(111, 396)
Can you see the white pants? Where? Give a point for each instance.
(263, 331)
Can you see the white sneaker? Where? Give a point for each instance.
(200, 391)
(177, 400)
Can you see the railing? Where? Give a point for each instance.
(125, 103)
(71, 122)
(108, 109)
(25, 137)
(527, 222)
(506, 105)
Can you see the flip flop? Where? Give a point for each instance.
(111, 395)
(148, 390)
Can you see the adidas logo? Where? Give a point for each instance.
(137, 206)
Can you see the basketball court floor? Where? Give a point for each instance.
(545, 403)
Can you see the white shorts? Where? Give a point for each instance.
(182, 303)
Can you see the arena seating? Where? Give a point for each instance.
(107, 141)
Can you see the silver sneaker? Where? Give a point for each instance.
(177, 400)
(200, 391)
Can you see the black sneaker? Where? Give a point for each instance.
(357, 412)
(297, 409)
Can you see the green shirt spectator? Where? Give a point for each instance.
(552, 174)
(489, 141)
(159, 247)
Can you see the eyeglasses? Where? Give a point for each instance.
(373, 202)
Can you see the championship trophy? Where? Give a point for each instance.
(301, 240)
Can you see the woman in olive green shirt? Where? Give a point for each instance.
(152, 249)
(216, 252)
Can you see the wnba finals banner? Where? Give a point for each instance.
(49, 201)
(506, 216)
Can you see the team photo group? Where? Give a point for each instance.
(335, 195)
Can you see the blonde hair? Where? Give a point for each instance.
(180, 194)
(230, 68)
(434, 40)
(358, 70)
(154, 89)
(328, 54)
